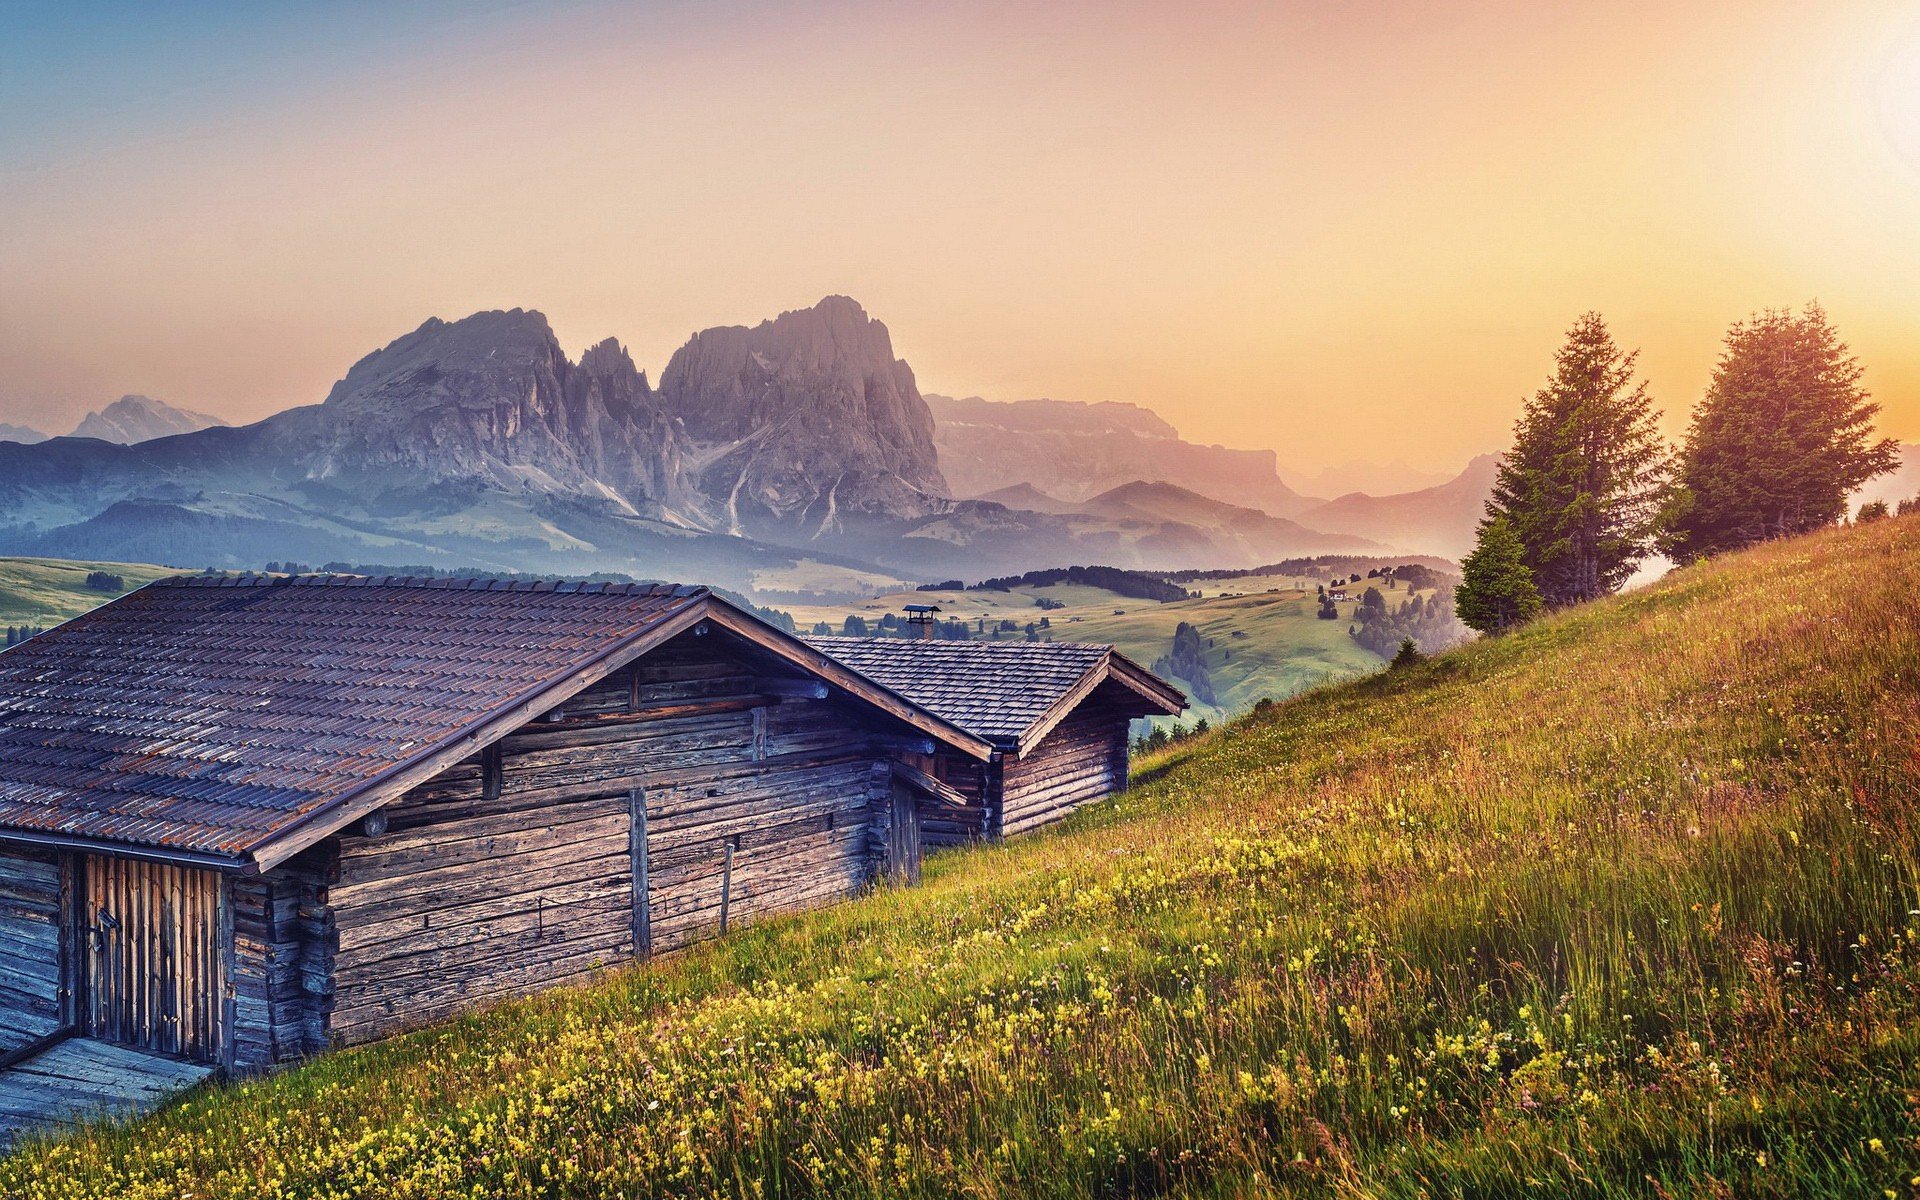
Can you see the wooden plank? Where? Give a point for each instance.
(642, 886)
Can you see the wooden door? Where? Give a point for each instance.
(903, 836)
(155, 974)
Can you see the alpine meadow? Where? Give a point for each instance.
(1620, 904)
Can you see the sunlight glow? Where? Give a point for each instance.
(1898, 98)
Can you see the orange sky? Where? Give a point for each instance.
(1338, 231)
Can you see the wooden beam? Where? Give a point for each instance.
(902, 745)
(792, 689)
(920, 781)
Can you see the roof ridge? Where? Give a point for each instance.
(484, 583)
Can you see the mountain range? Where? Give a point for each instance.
(128, 420)
(796, 455)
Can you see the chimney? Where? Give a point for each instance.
(920, 616)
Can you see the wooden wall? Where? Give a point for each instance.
(486, 886)
(31, 899)
(1083, 759)
(281, 966)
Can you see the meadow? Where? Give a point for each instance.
(47, 591)
(1621, 905)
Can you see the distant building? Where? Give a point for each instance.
(1056, 714)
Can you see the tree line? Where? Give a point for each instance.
(1781, 437)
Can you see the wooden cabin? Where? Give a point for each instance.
(1056, 714)
(246, 819)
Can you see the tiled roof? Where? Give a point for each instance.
(995, 690)
(210, 714)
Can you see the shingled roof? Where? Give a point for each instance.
(233, 720)
(1010, 693)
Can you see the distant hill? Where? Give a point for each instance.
(1221, 523)
(40, 592)
(1437, 520)
(132, 419)
(1375, 478)
(1026, 496)
(1075, 451)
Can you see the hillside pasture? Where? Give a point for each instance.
(1626, 904)
(47, 591)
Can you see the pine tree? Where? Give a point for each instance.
(1780, 438)
(1585, 482)
(1408, 655)
(1497, 590)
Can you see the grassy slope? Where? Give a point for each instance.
(1617, 906)
(1285, 650)
(47, 591)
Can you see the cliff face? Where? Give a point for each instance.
(1076, 451)
(805, 426)
(493, 401)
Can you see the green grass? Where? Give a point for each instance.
(1263, 644)
(47, 591)
(1621, 905)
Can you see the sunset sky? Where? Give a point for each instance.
(1338, 231)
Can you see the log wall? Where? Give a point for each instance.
(281, 967)
(1083, 759)
(32, 1006)
(945, 825)
(496, 881)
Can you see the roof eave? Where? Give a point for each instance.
(203, 860)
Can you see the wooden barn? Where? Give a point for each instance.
(246, 819)
(1056, 714)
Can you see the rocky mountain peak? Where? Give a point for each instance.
(134, 419)
(492, 398)
(808, 421)
(458, 362)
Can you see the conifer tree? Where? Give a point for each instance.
(1497, 590)
(1584, 485)
(1781, 437)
